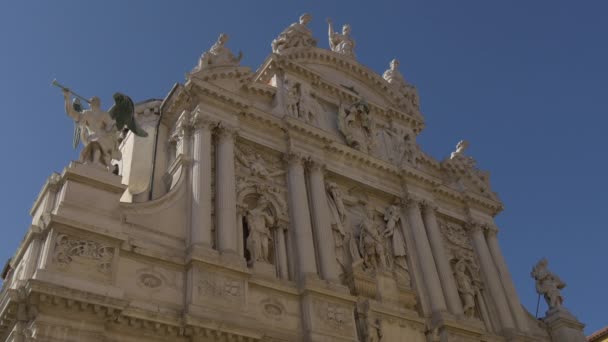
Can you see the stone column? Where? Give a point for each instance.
(282, 253)
(200, 229)
(328, 264)
(225, 191)
(427, 263)
(300, 218)
(450, 290)
(491, 276)
(507, 282)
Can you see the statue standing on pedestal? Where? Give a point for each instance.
(341, 43)
(466, 288)
(548, 284)
(219, 55)
(296, 35)
(100, 131)
(392, 217)
(394, 77)
(371, 243)
(259, 221)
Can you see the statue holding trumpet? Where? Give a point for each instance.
(100, 131)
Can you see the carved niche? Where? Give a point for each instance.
(88, 258)
(261, 199)
(465, 266)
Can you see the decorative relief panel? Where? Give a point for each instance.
(153, 279)
(220, 288)
(85, 257)
(333, 316)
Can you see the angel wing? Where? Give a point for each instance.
(76, 139)
(123, 112)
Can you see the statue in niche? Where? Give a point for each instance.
(356, 124)
(548, 284)
(373, 330)
(342, 238)
(341, 43)
(296, 35)
(394, 77)
(259, 221)
(466, 287)
(392, 216)
(219, 55)
(402, 148)
(301, 103)
(371, 242)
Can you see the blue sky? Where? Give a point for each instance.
(523, 81)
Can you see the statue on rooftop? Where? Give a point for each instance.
(296, 35)
(219, 55)
(101, 132)
(342, 43)
(394, 77)
(548, 284)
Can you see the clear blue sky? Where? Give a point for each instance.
(523, 81)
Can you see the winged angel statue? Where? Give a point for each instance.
(100, 132)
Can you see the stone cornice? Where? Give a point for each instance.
(218, 93)
(52, 184)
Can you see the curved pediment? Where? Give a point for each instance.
(345, 77)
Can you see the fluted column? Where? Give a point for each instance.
(450, 290)
(427, 262)
(200, 229)
(507, 281)
(328, 264)
(226, 191)
(300, 218)
(491, 276)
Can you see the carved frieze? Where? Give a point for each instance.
(84, 256)
(333, 316)
(220, 289)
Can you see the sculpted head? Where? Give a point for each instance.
(95, 102)
(223, 38)
(346, 29)
(394, 64)
(305, 18)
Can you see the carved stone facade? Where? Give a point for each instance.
(287, 204)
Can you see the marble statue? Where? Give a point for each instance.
(402, 147)
(392, 216)
(259, 221)
(345, 242)
(296, 35)
(301, 103)
(466, 288)
(219, 55)
(371, 243)
(256, 167)
(548, 284)
(100, 131)
(394, 77)
(341, 43)
(355, 122)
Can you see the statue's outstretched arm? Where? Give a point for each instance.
(69, 109)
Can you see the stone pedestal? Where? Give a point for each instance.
(563, 326)
(264, 269)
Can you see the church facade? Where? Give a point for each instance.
(290, 203)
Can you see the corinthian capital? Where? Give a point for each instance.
(315, 164)
(226, 131)
(295, 158)
(199, 119)
(492, 231)
(428, 204)
(475, 226)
